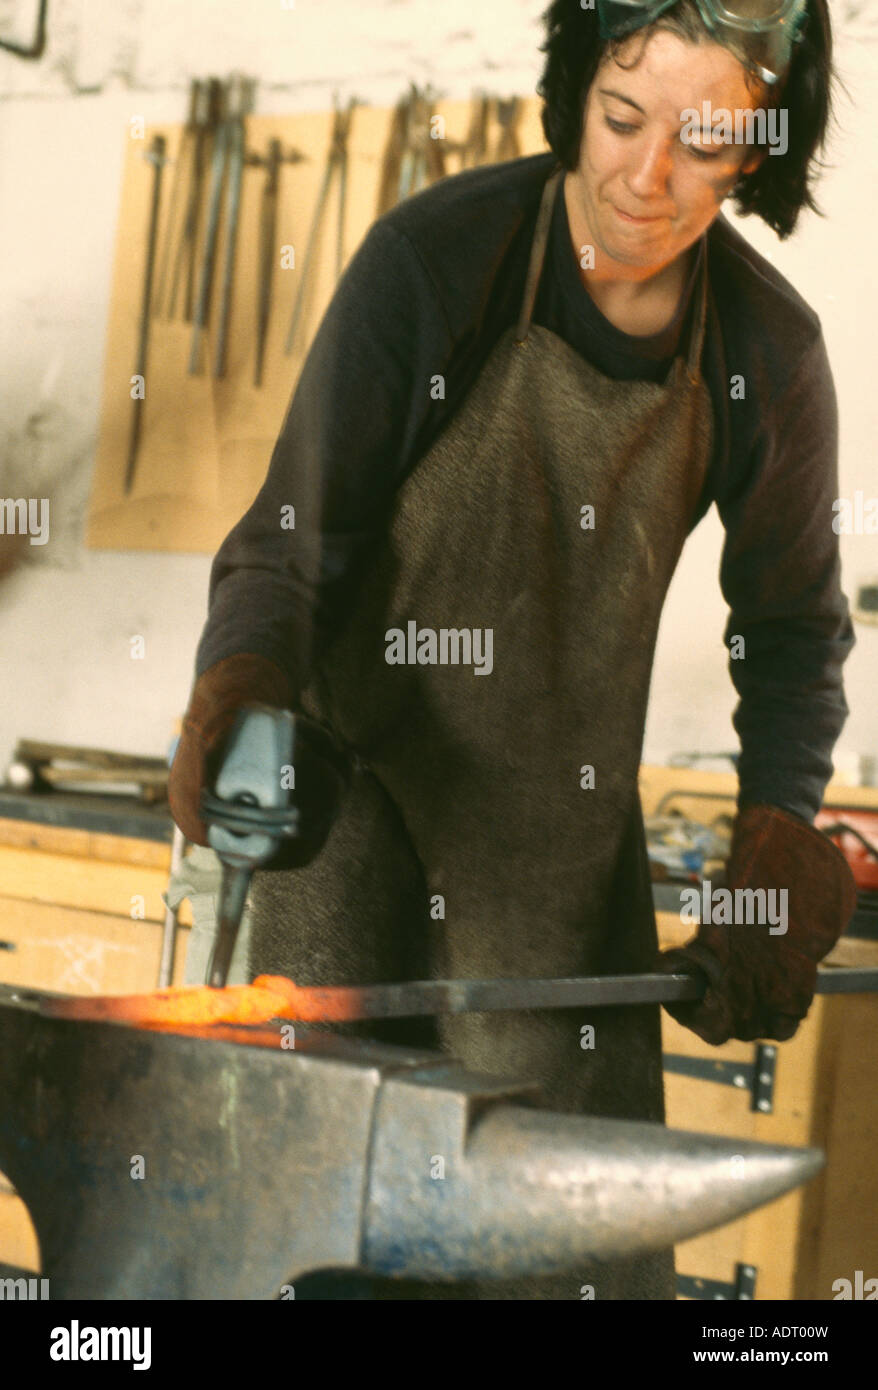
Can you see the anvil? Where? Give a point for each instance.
(219, 1162)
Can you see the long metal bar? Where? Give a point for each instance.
(176, 222)
(856, 980)
(240, 103)
(208, 255)
(267, 251)
(342, 198)
(207, 106)
(425, 998)
(407, 168)
(313, 231)
(430, 997)
(336, 159)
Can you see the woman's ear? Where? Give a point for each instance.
(753, 161)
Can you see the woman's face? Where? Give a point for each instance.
(633, 161)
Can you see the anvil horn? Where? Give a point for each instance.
(531, 1192)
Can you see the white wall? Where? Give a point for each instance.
(66, 617)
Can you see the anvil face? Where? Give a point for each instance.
(223, 1163)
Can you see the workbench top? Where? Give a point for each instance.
(105, 815)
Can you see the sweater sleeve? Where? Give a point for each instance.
(362, 398)
(789, 631)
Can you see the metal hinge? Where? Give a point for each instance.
(756, 1076)
(744, 1286)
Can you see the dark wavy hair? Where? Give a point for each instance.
(783, 184)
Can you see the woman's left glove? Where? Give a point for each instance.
(761, 975)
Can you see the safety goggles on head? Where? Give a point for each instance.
(764, 30)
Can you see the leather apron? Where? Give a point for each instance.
(475, 842)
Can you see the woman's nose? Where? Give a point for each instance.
(649, 169)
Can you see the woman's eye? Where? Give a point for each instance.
(701, 153)
(621, 127)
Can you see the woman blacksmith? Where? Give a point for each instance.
(533, 380)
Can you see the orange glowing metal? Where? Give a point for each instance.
(269, 996)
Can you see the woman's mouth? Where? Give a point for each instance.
(636, 221)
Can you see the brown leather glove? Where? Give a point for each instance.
(761, 985)
(216, 699)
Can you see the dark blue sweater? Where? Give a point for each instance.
(433, 285)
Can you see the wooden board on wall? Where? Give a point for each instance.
(205, 443)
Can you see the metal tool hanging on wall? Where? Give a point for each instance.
(240, 104)
(390, 165)
(505, 114)
(413, 157)
(272, 162)
(183, 202)
(211, 231)
(205, 104)
(423, 160)
(337, 159)
(475, 147)
(508, 113)
(227, 164)
(156, 156)
(267, 251)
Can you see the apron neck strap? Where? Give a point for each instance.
(535, 268)
(537, 255)
(699, 319)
